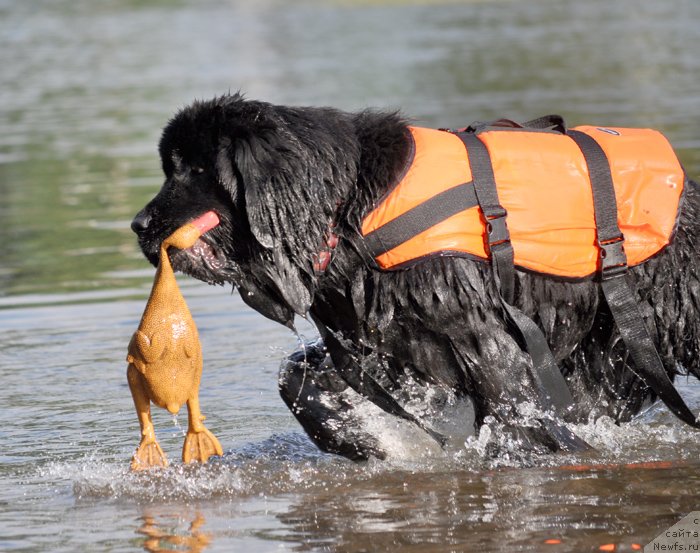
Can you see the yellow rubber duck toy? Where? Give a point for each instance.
(165, 359)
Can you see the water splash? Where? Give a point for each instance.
(290, 463)
(281, 464)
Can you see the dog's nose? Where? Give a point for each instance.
(140, 222)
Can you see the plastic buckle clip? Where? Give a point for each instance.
(613, 260)
(496, 228)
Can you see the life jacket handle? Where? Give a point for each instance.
(551, 122)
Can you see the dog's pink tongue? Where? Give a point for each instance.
(206, 222)
(187, 235)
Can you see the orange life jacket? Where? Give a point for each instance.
(543, 183)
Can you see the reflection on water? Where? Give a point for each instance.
(460, 511)
(85, 88)
(165, 533)
(321, 503)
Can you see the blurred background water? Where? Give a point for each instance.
(86, 86)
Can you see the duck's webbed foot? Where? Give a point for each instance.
(200, 443)
(148, 455)
(199, 446)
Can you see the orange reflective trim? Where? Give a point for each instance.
(543, 183)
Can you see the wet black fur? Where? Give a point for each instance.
(279, 176)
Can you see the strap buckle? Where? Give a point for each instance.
(613, 260)
(496, 227)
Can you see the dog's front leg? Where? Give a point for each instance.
(325, 406)
(503, 386)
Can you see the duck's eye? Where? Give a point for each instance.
(197, 169)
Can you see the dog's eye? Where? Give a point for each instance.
(198, 170)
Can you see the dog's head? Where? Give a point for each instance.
(272, 174)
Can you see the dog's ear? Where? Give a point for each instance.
(246, 160)
(257, 165)
(224, 168)
(251, 166)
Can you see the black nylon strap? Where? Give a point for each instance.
(554, 122)
(650, 369)
(620, 297)
(499, 246)
(550, 383)
(546, 122)
(421, 218)
(604, 201)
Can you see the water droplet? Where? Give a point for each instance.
(176, 424)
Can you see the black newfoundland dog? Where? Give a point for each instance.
(428, 348)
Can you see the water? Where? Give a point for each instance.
(85, 88)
